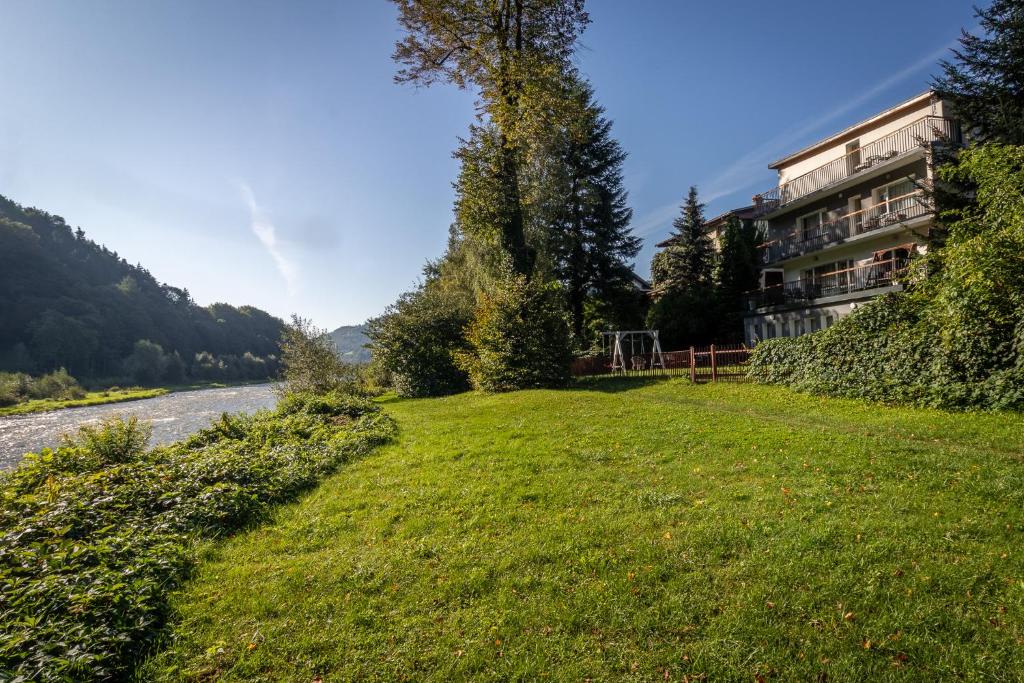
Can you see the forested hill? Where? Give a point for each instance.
(351, 341)
(66, 301)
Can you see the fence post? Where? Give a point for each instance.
(693, 365)
(714, 365)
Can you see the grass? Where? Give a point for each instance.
(92, 398)
(632, 530)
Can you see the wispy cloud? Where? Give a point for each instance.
(264, 230)
(737, 176)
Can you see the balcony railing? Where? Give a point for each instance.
(890, 212)
(846, 281)
(907, 139)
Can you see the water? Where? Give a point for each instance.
(173, 416)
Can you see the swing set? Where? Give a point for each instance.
(614, 344)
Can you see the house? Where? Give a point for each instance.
(715, 226)
(846, 216)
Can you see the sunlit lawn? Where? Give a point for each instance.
(634, 531)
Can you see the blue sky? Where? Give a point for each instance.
(258, 152)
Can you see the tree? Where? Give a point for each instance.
(519, 337)
(985, 82)
(147, 363)
(737, 272)
(684, 309)
(688, 260)
(588, 238)
(516, 54)
(416, 341)
(310, 362)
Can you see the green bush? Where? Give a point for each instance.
(96, 533)
(17, 387)
(955, 339)
(415, 343)
(519, 338)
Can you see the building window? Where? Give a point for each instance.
(815, 323)
(785, 328)
(810, 225)
(893, 198)
(771, 331)
(757, 332)
(829, 321)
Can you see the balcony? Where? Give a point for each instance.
(896, 144)
(848, 281)
(891, 212)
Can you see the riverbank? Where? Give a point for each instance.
(104, 396)
(93, 398)
(96, 534)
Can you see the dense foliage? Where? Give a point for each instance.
(985, 80)
(684, 309)
(68, 302)
(539, 194)
(417, 340)
(310, 362)
(18, 387)
(96, 533)
(956, 338)
(519, 338)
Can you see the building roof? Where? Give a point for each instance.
(853, 130)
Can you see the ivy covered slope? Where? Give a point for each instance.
(954, 338)
(95, 534)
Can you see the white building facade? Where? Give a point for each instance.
(847, 215)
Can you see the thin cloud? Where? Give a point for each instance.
(737, 176)
(267, 235)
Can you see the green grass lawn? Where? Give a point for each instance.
(626, 530)
(92, 398)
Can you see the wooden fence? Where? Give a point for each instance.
(715, 363)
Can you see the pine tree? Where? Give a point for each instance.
(688, 261)
(587, 219)
(985, 83)
(736, 272)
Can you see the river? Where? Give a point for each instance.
(173, 416)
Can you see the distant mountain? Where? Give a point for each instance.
(351, 341)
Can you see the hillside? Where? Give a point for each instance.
(351, 341)
(66, 301)
(631, 531)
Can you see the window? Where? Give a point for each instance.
(757, 331)
(829, 321)
(815, 323)
(771, 330)
(785, 328)
(810, 225)
(833, 278)
(893, 199)
(801, 327)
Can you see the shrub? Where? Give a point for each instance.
(310, 362)
(94, 535)
(956, 338)
(415, 343)
(519, 337)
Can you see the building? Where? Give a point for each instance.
(846, 216)
(714, 227)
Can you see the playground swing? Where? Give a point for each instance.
(637, 362)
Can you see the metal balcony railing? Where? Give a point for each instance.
(890, 212)
(903, 141)
(846, 281)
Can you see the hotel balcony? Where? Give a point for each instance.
(894, 211)
(862, 278)
(894, 146)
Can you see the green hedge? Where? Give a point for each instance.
(96, 533)
(955, 339)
